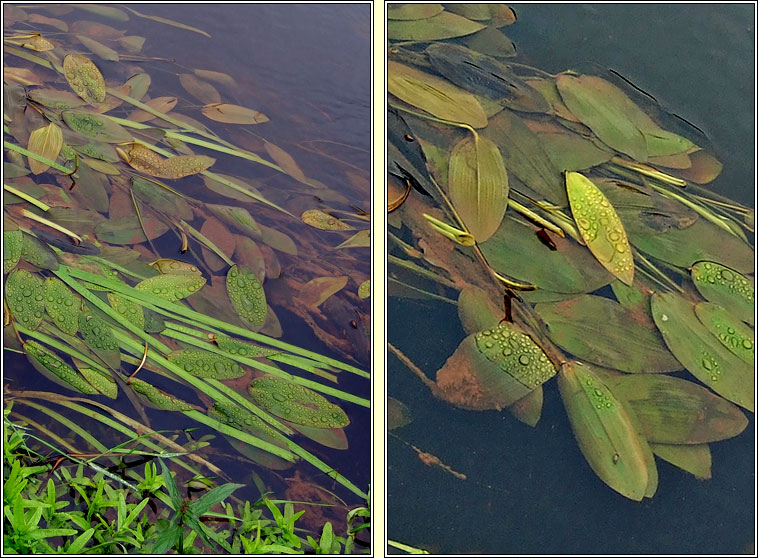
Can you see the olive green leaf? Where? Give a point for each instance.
(600, 226)
(38, 253)
(671, 410)
(364, 289)
(603, 332)
(361, 239)
(48, 364)
(99, 337)
(233, 114)
(24, 293)
(240, 348)
(247, 295)
(205, 364)
(62, 305)
(491, 41)
(412, 11)
(725, 287)
(84, 78)
(12, 242)
(46, 141)
(169, 265)
(296, 403)
(158, 398)
(695, 459)
(705, 357)
(444, 25)
(144, 159)
(128, 309)
(95, 127)
(104, 52)
(200, 89)
(323, 221)
(605, 431)
(733, 334)
(162, 199)
(173, 286)
(100, 380)
(478, 185)
(434, 95)
(129, 231)
(398, 414)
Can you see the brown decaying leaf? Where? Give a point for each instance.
(22, 76)
(317, 290)
(199, 89)
(285, 160)
(161, 104)
(233, 114)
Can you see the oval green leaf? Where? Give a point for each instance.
(62, 305)
(47, 142)
(247, 295)
(99, 337)
(24, 293)
(158, 398)
(172, 287)
(84, 78)
(444, 25)
(695, 459)
(128, 309)
(323, 221)
(727, 288)
(12, 242)
(296, 403)
(730, 331)
(48, 364)
(204, 364)
(95, 127)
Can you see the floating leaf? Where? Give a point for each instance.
(169, 265)
(172, 287)
(24, 294)
(329, 437)
(525, 157)
(38, 253)
(162, 199)
(12, 241)
(600, 226)
(233, 114)
(704, 168)
(240, 348)
(158, 398)
(35, 42)
(491, 41)
(218, 77)
(528, 409)
(317, 290)
(606, 110)
(143, 159)
(364, 290)
(138, 85)
(199, 89)
(286, 162)
(99, 337)
(695, 459)
(434, 95)
(48, 364)
(62, 305)
(132, 44)
(674, 411)
(725, 287)
(128, 309)
(104, 52)
(108, 12)
(412, 11)
(478, 185)
(47, 142)
(204, 364)
(603, 332)
(169, 22)
(100, 381)
(707, 360)
(296, 403)
(161, 104)
(128, 230)
(361, 239)
(247, 295)
(605, 431)
(444, 25)
(323, 221)
(95, 127)
(84, 78)
(732, 333)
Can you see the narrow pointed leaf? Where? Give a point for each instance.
(317, 290)
(99, 337)
(695, 459)
(320, 220)
(413, 11)
(48, 364)
(128, 309)
(159, 399)
(104, 52)
(12, 242)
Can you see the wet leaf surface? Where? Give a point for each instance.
(204, 364)
(296, 403)
(99, 337)
(48, 364)
(172, 287)
(62, 305)
(247, 295)
(84, 78)
(323, 221)
(24, 295)
(728, 329)
(727, 288)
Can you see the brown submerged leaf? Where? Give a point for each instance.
(145, 160)
(233, 114)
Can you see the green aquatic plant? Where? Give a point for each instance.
(589, 191)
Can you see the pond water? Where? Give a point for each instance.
(530, 490)
(307, 69)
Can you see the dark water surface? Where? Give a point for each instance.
(308, 69)
(530, 490)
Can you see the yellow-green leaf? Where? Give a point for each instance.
(317, 290)
(84, 78)
(247, 295)
(233, 114)
(104, 52)
(726, 287)
(46, 141)
(321, 220)
(172, 287)
(161, 104)
(434, 95)
(412, 11)
(444, 25)
(478, 184)
(361, 239)
(600, 226)
(364, 290)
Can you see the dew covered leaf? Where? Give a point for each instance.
(47, 142)
(240, 348)
(434, 95)
(95, 127)
(361, 239)
(204, 364)
(606, 110)
(169, 265)
(412, 11)
(320, 220)
(84, 78)
(478, 185)
(12, 242)
(233, 114)
(296, 403)
(247, 295)
(102, 382)
(444, 25)
(99, 337)
(144, 159)
(514, 250)
(705, 357)
(172, 287)
(603, 332)
(158, 398)
(725, 287)
(38, 253)
(62, 305)
(605, 431)
(24, 294)
(671, 410)
(695, 459)
(729, 330)
(128, 309)
(317, 290)
(48, 364)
